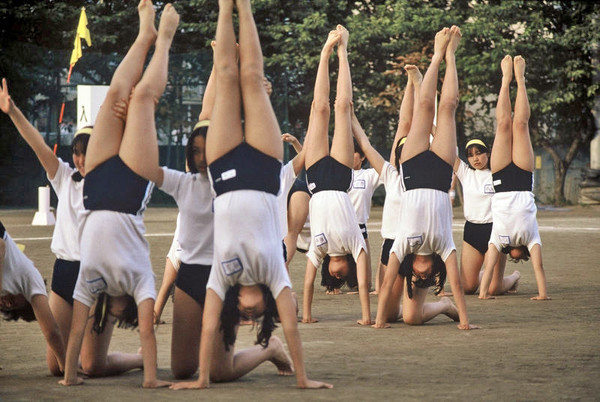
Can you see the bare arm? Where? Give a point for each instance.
(540, 276)
(491, 258)
(363, 288)
(298, 161)
(391, 272)
(309, 288)
(148, 341)
(78, 323)
(29, 133)
(287, 314)
(457, 291)
(49, 328)
(374, 158)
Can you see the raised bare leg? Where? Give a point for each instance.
(108, 129)
(502, 149)
(417, 140)
(210, 91)
(444, 142)
(405, 115)
(139, 147)
(342, 146)
(522, 151)
(261, 127)
(317, 141)
(225, 130)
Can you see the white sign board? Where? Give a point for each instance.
(89, 100)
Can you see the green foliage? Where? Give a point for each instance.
(558, 38)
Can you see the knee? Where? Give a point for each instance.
(448, 105)
(321, 106)
(427, 104)
(183, 371)
(93, 368)
(54, 369)
(252, 75)
(469, 288)
(143, 93)
(343, 104)
(520, 124)
(504, 124)
(412, 318)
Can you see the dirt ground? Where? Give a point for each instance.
(525, 350)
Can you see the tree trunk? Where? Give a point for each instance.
(561, 166)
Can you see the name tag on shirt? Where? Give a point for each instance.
(497, 182)
(415, 241)
(320, 240)
(488, 189)
(311, 186)
(97, 285)
(232, 267)
(228, 174)
(505, 240)
(360, 184)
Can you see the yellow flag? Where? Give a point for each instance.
(82, 33)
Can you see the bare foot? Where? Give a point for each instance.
(455, 36)
(344, 35)
(414, 74)
(519, 69)
(441, 42)
(507, 68)
(280, 357)
(451, 310)
(443, 293)
(146, 13)
(374, 292)
(169, 20)
(513, 288)
(332, 39)
(333, 292)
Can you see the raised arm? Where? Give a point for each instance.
(29, 133)
(298, 161)
(374, 157)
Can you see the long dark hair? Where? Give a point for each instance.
(524, 250)
(26, 314)
(189, 148)
(129, 320)
(437, 277)
(331, 282)
(230, 317)
(398, 153)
